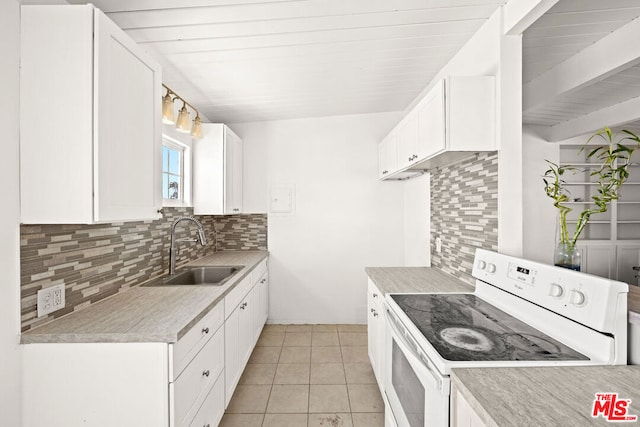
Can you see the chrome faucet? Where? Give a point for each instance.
(173, 249)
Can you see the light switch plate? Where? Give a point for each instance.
(50, 299)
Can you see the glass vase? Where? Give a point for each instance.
(567, 255)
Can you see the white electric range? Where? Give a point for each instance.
(521, 314)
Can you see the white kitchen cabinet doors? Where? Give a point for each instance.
(375, 330)
(455, 118)
(90, 142)
(217, 171)
(246, 309)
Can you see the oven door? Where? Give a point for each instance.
(417, 393)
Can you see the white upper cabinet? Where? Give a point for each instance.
(388, 155)
(90, 129)
(456, 117)
(217, 171)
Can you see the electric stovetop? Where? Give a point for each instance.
(463, 327)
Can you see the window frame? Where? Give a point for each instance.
(185, 172)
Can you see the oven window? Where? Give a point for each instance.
(408, 387)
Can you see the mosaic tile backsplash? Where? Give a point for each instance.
(96, 261)
(464, 212)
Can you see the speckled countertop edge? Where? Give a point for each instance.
(560, 395)
(415, 279)
(147, 314)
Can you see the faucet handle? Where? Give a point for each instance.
(202, 237)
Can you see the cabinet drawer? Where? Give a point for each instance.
(259, 270)
(189, 345)
(193, 385)
(236, 295)
(211, 411)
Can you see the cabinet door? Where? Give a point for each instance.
(245, 329)
(233, 173)
(388, 155)
(628, 258)
(375, 330)
(463, 413)
(261, 305)
(232, 366)
(408, 140)
(598, 259)
(431, 123)
(127, 134)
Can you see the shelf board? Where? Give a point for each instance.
(575, 221)
(628, 221)
(595, 183)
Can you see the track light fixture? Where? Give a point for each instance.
(183, 123)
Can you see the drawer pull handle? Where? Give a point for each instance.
(375, 295)
(375, 314)
(263, 280)
(243, 306)
(205, 330)
(206, 373)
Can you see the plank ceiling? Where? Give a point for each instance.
(253, 60)
(570, 30)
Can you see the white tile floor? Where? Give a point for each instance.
(308, 375)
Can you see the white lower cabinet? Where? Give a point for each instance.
(155, 384)
(462, 414)
(375, 328)
(125, 384)
(245, 308)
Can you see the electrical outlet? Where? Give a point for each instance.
(438, 244)
(50, 299)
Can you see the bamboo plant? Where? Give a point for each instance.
(613, 155)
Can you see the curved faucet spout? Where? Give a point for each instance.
(173, 249)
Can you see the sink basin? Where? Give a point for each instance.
(212, 276)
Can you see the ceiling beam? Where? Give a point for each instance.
(611, 54)
(520, 14)
(616, 115)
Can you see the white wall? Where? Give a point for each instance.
(344, 218)
(540, 215)
(10, 355)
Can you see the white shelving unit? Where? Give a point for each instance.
(610, 243)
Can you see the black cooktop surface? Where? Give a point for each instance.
(464, 327)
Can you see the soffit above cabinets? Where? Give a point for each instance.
(581, 67)
(253, 60)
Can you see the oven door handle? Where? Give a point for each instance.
(412, 350)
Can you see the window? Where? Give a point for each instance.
(175, 173)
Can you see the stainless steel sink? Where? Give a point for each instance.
(211, 276)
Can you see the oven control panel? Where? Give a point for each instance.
(588, 299)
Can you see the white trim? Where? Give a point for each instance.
(520, 14)
(615, 115)
(586, 67)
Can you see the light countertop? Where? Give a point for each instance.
(147, 313)
(415, 279)
(551, 396)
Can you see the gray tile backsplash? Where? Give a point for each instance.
(96, 261)
(464, 212)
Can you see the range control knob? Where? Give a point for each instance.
(482, 265)
(577, 298)
(556, 290)
(491, 268)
